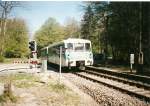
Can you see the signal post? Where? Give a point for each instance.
(33, 48)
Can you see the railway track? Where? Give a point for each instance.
(123, 80)
(132, 77)
(132, 88)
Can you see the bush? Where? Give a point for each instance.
(2, 59)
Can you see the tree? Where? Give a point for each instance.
(50, 32)
(117, 26)
(102, 12)
(5, 9)
(72, 28)
(119, 32)
(145, 26)
(89, 28)
(17, 39)
(87, 22)
(124, 30)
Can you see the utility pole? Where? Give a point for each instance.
(60, 64)
(140, 57)
(140, 27)
(106, 36)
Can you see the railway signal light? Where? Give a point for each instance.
(32, 46)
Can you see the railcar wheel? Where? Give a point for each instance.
(69, 67)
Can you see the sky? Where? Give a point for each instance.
(36, 13)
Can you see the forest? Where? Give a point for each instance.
(13, 33)
(115, 29)
(119, 29)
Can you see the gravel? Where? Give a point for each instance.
(116, 83)
(86, 100)
(103, 95)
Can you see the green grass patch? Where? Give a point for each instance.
(24, 84)
(8, 97)
(2, 59)
(18, 76)
(57, 87)
(54, 93)
(21, 80)
(62, 95)
(22, 76)
(11, 60)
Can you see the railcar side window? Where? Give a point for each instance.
(87, 46)
(70, 46)
(63, 49)
(57, 48)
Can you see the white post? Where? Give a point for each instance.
(60, 64)
(131, 67)
(44, 65)
(131, 61)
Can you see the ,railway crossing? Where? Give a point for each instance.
(98, 58)
(65, 59)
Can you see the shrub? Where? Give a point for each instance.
(2, 59)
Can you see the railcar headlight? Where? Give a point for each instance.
(70, 62)
(88, 61)
(68, 56)
(90, 55)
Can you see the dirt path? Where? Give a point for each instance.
(47, 92)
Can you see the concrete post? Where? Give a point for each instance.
(60, 64)
(44, 65)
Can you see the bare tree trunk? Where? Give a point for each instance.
(6, 7)
(2, 34)
(3, 31)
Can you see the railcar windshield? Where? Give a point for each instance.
(79, 46)
(87, 46)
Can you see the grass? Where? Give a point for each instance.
(57, 87)
(24, 84)
(21, 80)
(11, 60)
(1, 59)
(62, 95)
(23, 76)
(8, 97)
(7, 94)
(51, 93)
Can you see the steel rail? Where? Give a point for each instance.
(122, 89)
(125, 81)
(132, 77)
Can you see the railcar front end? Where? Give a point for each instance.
(79, 53)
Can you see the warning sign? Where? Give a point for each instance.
(132, 58)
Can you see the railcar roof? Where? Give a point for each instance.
(76, 40)
(44, 48)
(69, 40)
